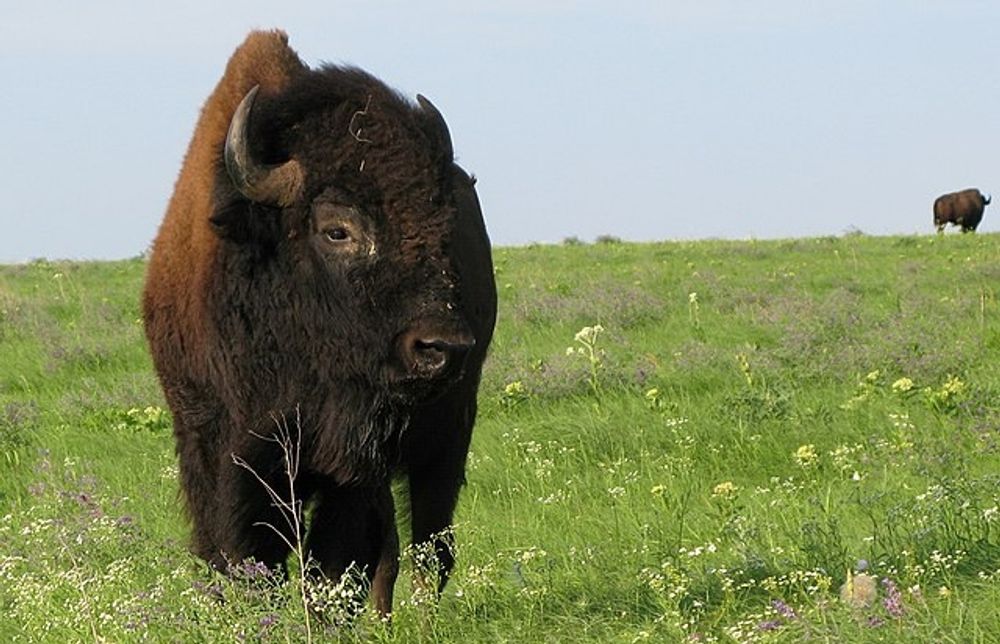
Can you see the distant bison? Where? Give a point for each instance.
(323, 265)
(964, 208)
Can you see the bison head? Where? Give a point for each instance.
(346, 206)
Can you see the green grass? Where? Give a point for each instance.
(753, 422)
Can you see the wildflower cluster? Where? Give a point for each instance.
(694, 315)
(668, 581)
(425, 558)
(528, 567)
(943, 398)
(893, 601)
(778, 616)
(806, 583)
(845, 459)
(513, 394)
(339, 601)
(866, 389)
(947, 396)
(806, 456)
(587, 348)
(66, 557)
(744, 364)
(149, 419)
(620, 472)
(697, 551)
(726, 490)
(903, 386)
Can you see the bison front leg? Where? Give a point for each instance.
(249, 523)
(220, 499)
(432, 505)
(388, 564)
(198, 476)
(355, 529)
(438, 443)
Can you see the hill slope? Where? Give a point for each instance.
(677, 440)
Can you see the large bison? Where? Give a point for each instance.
(963, 208)
(323, 265)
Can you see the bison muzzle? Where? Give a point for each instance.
(323, 262)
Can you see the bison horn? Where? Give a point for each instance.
(439, 123)
(279, 185)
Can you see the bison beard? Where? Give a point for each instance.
(323, 263)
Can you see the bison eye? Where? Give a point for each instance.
(338, 234)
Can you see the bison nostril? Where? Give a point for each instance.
(434, 356)
(430, 355)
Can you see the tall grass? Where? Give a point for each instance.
(763, 442)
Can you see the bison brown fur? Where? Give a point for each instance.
(322, 263)
(964, 209)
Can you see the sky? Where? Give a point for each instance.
(646, 120)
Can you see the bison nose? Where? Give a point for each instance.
(432, 355)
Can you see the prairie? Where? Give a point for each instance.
(713, 441)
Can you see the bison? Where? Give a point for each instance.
(323, 266)
(963, 208)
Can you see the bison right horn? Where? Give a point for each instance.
(439, 123)
(278, 185)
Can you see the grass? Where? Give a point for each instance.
(758, 441)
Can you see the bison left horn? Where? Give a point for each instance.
(278, 185)
(439, 123)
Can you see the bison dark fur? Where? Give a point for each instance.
(323, 264)
(963, 208)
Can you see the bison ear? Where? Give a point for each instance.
(440, 127)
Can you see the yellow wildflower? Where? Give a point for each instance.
(902, 385)
(806, 455)
(725, 490)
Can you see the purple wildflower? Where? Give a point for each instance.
(269, 620)
(257, 569)
(783, 609)
(250, 570)
(893, 601)
(875, 621)
(769, 625)
(210, 590)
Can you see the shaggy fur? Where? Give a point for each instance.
(964, 209)
(253, 314)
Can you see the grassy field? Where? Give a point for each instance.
(757, 441)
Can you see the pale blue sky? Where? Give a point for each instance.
(645, 120)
